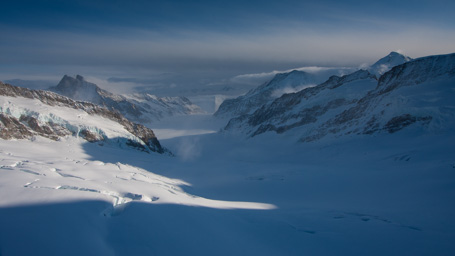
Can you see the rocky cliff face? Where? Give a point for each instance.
(20, 118)
(416, 92)
(144, 108)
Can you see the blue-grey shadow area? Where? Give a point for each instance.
(54, 229)
(209, 176)
(115, 151)
(81, 228)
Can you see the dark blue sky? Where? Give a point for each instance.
(203, 42)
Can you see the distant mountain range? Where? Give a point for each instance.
(292, 82)
(419, 91)
(143, 108)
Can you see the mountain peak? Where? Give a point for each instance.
(395, 56)
(80, 78)
(388, 62)
(77, 88)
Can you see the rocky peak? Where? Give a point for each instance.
(77, 88)
(137, 107)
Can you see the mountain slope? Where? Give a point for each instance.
(295, 81)
(144, 108)
(418, 91)
(306, 106)
(282, 83)
(25, 113)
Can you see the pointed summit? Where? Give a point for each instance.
(139, 107)
(78, 89)
(388, 62)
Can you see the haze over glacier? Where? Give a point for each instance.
(227, 128)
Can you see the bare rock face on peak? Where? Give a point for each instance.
(143, 108)
(25, 113)
(418, 93)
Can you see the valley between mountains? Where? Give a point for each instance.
(331, 161)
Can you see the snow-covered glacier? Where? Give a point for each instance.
(359, 164)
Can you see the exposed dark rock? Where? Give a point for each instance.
(399, 122)
(90, 136)
(43, 130)
(257, 97)
(370, 106)
(13, 128)
(277, 117)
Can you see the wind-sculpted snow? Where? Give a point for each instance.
(25, 113)
(143, 108)
(416, 92)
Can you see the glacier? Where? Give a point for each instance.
(380, 181)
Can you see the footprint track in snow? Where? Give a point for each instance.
(367, 217)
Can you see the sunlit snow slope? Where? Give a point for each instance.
(69, 125)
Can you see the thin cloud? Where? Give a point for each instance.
(200, 58)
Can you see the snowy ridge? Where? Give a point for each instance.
(307, 106)
(388, 62)
(281, 83)
(418, 91)
(25, 113)
(264, 93)
(295, 81)
(144, 108)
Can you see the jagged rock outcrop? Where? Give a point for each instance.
(24, 123)
(143, 108)
(11, 128)
(416, 92)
